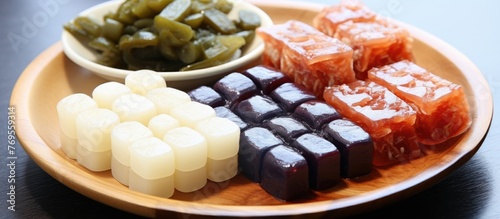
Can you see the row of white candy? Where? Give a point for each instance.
(152, 137)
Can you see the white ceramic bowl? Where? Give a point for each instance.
(81, 55)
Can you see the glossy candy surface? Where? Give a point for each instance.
(355, 146)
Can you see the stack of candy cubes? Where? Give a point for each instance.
(291, 141)
(153, 138)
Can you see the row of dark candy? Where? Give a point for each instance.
(291, 141)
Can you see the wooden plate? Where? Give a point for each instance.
(52, 76)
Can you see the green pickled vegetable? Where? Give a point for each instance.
(224, 5)
(177, 10)
(158, 5)
(167, 35)
(232, 44)
(112, 29)
(142, 10)
(109, 55)
(248, 35)
(140, 39)
(194, 20)
(144, 23)
(200, 6)
(189, 53)
(125, 14)
(248, 20)
(182, 32)
(219, 21)
(168, 51)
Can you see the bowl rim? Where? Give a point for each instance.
(68, 43)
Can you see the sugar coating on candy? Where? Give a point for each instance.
(266, 78)
(235, 87)
(142, 81)
(190, 148)
(355, 146)
(316, 113)
(134, 107)
(254, 143)
(166, 98)
(106, 93)
(161, 124)
(207, 95)
(323, 160)
(285, 173)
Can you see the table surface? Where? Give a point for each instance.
(473, 191)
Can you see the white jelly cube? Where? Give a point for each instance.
(69, 107)
(120, 171)
(134, 107)
(222, 135)
(93, 129)
(190, 113)
(123, 136)
(190, 181)
(167, 98)
(161, 187)
(152, 158)
(105, 94)
(190, 148)
(161, 124)
(142, 81)
(222, 170)
(68, 145)
(94, 161)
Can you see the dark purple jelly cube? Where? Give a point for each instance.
(323, 160)
(224, 112)
(316, 113)
(266, 78)
(285, 174)
(290, 95)
(207, 95)
(256, 109)
(287, 127)
(254, 143)
(235, 87)
(355, 146)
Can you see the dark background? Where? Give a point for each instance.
(473, 191)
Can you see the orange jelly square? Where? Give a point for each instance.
(308, 56)
(442, 108)
(375, 44)
(332, 16)
(387, 118)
